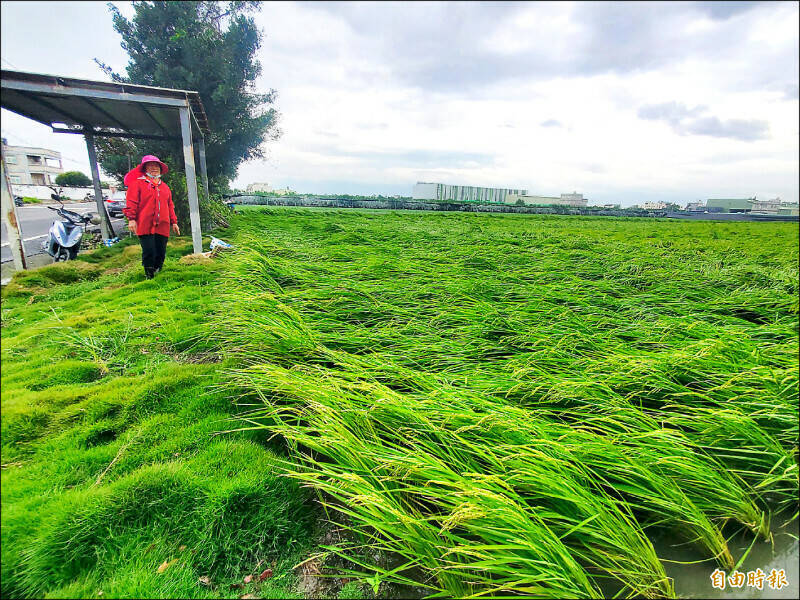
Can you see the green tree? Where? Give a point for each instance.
(204, 46)
(73, 179)
(118, 155)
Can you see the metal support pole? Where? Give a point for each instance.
(105, 221)
(10, 219)
(191, 180)
(201, 151)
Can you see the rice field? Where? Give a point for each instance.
(518, 405)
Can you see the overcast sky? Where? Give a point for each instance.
(624, 102)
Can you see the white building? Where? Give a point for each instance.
(258, 187)
(767, 207)
(461, 193)
(32, 166)
(574, 199)
(653, 205)
(285, 191)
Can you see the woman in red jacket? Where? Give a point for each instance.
(150, 211)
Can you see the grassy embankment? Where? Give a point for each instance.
(110, 469)
(519, 405)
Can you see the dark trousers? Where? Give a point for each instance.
(154, 249)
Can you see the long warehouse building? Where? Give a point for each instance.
(461, 193)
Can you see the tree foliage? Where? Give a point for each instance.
(73, 179)
(204, 46)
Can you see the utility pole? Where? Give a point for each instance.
(10, 219)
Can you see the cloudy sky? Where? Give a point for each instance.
(624, 102)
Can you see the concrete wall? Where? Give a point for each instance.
(42, 192)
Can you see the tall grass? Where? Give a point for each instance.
(516, 405)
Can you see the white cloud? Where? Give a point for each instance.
(546, 96)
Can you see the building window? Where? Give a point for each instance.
(11, 160)
(53, 163)
(15, 179)
(37, 178)
(34, 160)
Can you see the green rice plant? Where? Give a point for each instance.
(516, 405)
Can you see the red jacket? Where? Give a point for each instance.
(150, 205)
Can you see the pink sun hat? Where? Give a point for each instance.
(139, 170)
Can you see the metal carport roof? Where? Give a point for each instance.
(112, 109)
(120, 109)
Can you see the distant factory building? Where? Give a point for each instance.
(776, 206)
(766, 207)
(730, 205)
(461, 193)
(573, 199)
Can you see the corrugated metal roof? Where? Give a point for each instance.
(106, 107)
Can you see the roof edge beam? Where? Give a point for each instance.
(138, 136)
(60, 90)
(49, 106)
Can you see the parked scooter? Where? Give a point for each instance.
(65, 236)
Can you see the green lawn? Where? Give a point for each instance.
(110, 465)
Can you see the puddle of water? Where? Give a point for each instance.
(694, 580)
